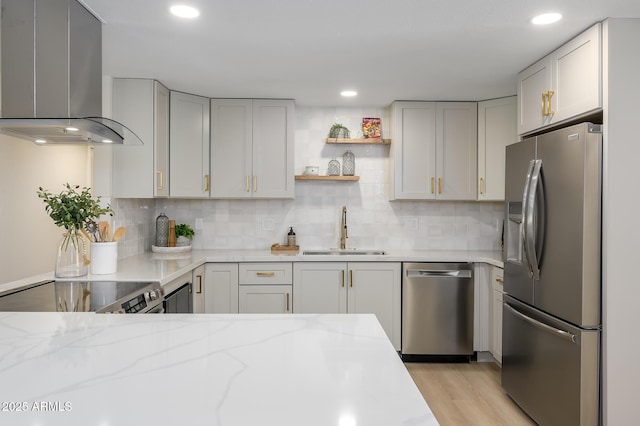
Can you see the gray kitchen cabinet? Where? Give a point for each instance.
(481, 308)
(563, 85)
(220, 288)
(495, 329)
(143, 106)
(252, 148)
(198, 280)
(189, 145)
(265, 288)
(353, 287)
(496, 130)
(434, 151)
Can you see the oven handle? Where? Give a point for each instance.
(158, 309)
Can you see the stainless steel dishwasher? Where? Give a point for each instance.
(437, 311)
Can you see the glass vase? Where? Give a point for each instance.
(334, 168)
(348, 164)
(70, 256)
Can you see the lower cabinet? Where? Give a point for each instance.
(221, 288)
(354, 287)
(265, 288)
(497, 293)
(198, 290)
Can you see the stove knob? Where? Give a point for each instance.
(153, 295)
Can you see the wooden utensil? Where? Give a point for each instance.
(102, 230)
(107, 233)
(119, 233)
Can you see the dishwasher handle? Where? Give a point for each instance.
(426, 273)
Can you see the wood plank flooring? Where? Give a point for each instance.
(466, 394)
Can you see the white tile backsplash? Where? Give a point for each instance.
(373, 221)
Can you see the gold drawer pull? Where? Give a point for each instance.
(439, 185)
(500, 280)
(433, 180)
(266, 274)
(199, 277)
(343, 278)
(247, 184)
(160, 186)
(350, 277)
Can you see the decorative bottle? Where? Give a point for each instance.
(334, 168)
(162, 230)
(291, 237)
(348, 163)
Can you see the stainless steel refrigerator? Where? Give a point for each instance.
(552, 280)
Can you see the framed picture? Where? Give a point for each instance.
(371, 127)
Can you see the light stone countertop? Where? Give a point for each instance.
(164, 268)
(199, 369)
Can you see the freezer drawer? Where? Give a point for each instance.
(549, 367)
(437, 309)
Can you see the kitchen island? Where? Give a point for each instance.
(65, 368)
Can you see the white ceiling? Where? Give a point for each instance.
(310, 50)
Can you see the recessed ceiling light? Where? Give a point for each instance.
(184, 11)
(348, 93)
(40, 141)
(546, 18)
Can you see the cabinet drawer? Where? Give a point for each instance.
(497, 275)
(266, 273)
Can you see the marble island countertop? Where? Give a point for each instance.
(163, 268)
(324, 370)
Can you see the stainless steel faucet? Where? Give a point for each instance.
(343, 229)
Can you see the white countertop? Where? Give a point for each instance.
(90, 369)
(164, 268)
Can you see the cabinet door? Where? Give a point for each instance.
(273, 143)
(374, 288)
(231, 148)
(198, 290)
(133, 106)
(532, 83)
(577, 76)
(496, 130)
(413, 151)
(161, 131)
(189, 145)
(481, 307)
(456, 150)
(319, 288)
(221, 288)
(264, 299)
(496, 312)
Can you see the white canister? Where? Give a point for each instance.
(104, 258)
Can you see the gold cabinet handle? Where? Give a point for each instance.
(481, 186)
(342, 278)
(433, 184)
(351, 278)
(549, 96)
(206, 183)
(545, 96)
(287, 302)
(161, 179)
(439, 185)
(247, 184)
(199, 277)
(500, 280)
(266, 274)
(255, 184)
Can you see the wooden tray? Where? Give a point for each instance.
(277, 248)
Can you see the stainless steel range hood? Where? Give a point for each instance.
(52, 75)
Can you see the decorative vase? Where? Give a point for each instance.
(348, 164)
(70, 256)
(104, 258)
(334, 168)
(162, 230)
(183, 241)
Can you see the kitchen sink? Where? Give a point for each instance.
(345, 252)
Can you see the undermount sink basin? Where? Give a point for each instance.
(345, 252)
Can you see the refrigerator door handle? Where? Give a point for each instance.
(530, 222)
(525, 215)
(561, 333)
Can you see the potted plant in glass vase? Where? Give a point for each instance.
(75, 210)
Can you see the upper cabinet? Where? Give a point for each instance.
(189, 146)
(252, 148)
(434, 154)
(143, 106)
(496, 130)
(563, 85)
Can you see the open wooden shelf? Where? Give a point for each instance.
(338, 178)
(368, 141)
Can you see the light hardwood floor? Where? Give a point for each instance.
(466, 394)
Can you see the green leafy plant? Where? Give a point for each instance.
(73, 210)
(184, 230)
(339, 131)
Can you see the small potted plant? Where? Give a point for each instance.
(184, 234)
(74, 210)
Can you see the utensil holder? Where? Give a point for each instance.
(104, 258)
